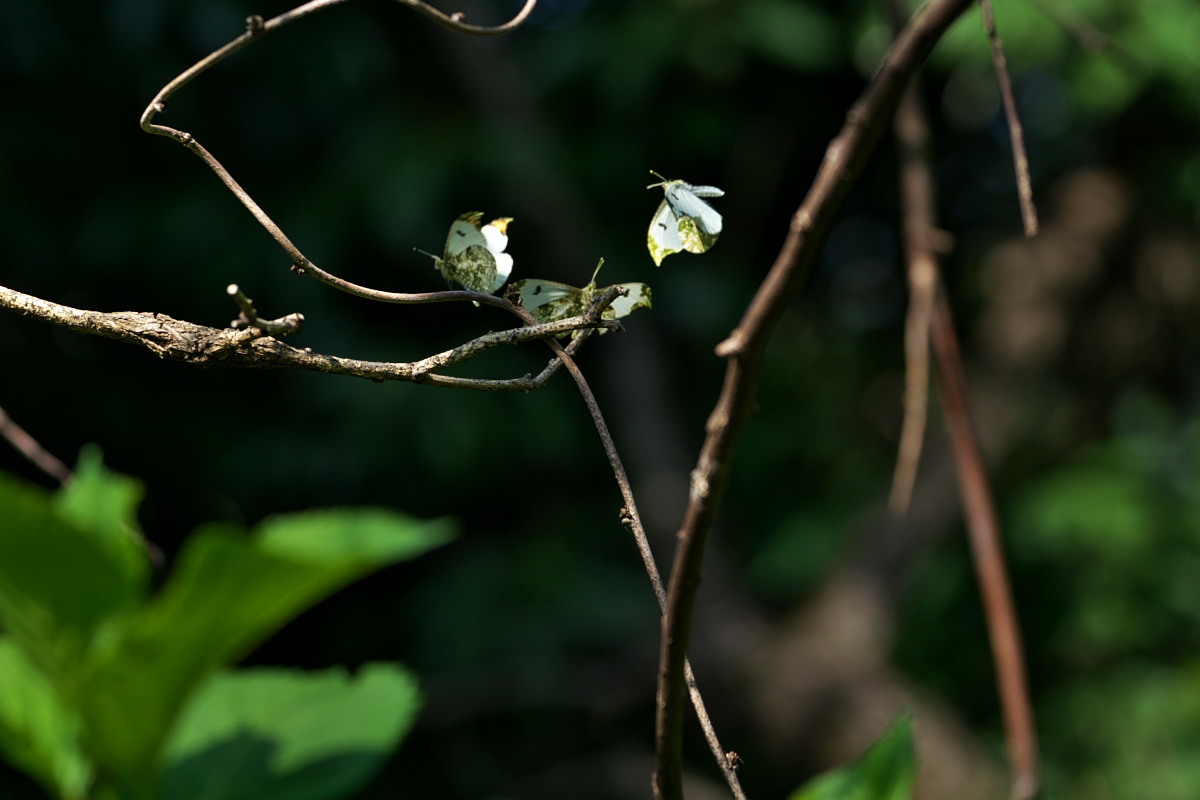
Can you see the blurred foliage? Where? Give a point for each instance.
(887, 771)
(365, 130)
(111, 694)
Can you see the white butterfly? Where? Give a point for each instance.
(550, 300)
(683, 221)
(474, 257)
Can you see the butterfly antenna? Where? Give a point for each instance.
(597, 272)
(660, 177)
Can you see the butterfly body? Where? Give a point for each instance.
(683, 220)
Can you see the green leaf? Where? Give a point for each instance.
(229, 593)
(58, 585)
(887, 771)
(269, 734)
(37, 732)
(354, 535)
(104, 504)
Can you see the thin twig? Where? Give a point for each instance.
(1088, 36)
(1016, 134)
(632, 517)
(983, 531)
(919, 203)
(27, 446)
(257, 27)
(912, 136)
(744, 348)
(917, 193)
(455, 21)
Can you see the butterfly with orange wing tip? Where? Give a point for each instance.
(474, 256)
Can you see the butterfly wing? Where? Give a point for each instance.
(475, 268)
(685, 201)
(464, 233)
(637, 295)
(495, 233)
(550, 300)
(663, 237)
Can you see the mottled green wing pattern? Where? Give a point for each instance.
(693, 238)
(549, 300)
(474, 268)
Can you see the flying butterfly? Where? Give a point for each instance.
(550, 300)
(683, 221)
(474, 257)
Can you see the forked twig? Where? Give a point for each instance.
(744, 348)
(1016, 134)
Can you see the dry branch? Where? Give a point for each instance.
(844, 159)
(253, 348)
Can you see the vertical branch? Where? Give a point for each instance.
(844, 160)
(916, 187)
(983, 530)
(1015, 132)
(929, 314)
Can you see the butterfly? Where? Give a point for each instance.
(474, 257)
(550, 300)
(683, 221)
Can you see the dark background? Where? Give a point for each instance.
(364, 130)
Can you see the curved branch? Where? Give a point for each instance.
(256, 28)
(844, 160)
(455, 21)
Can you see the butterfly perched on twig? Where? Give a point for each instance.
(683, 220)
(551, 300)
(474, 257)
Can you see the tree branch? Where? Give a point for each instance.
(253, 348)
(744, 348)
